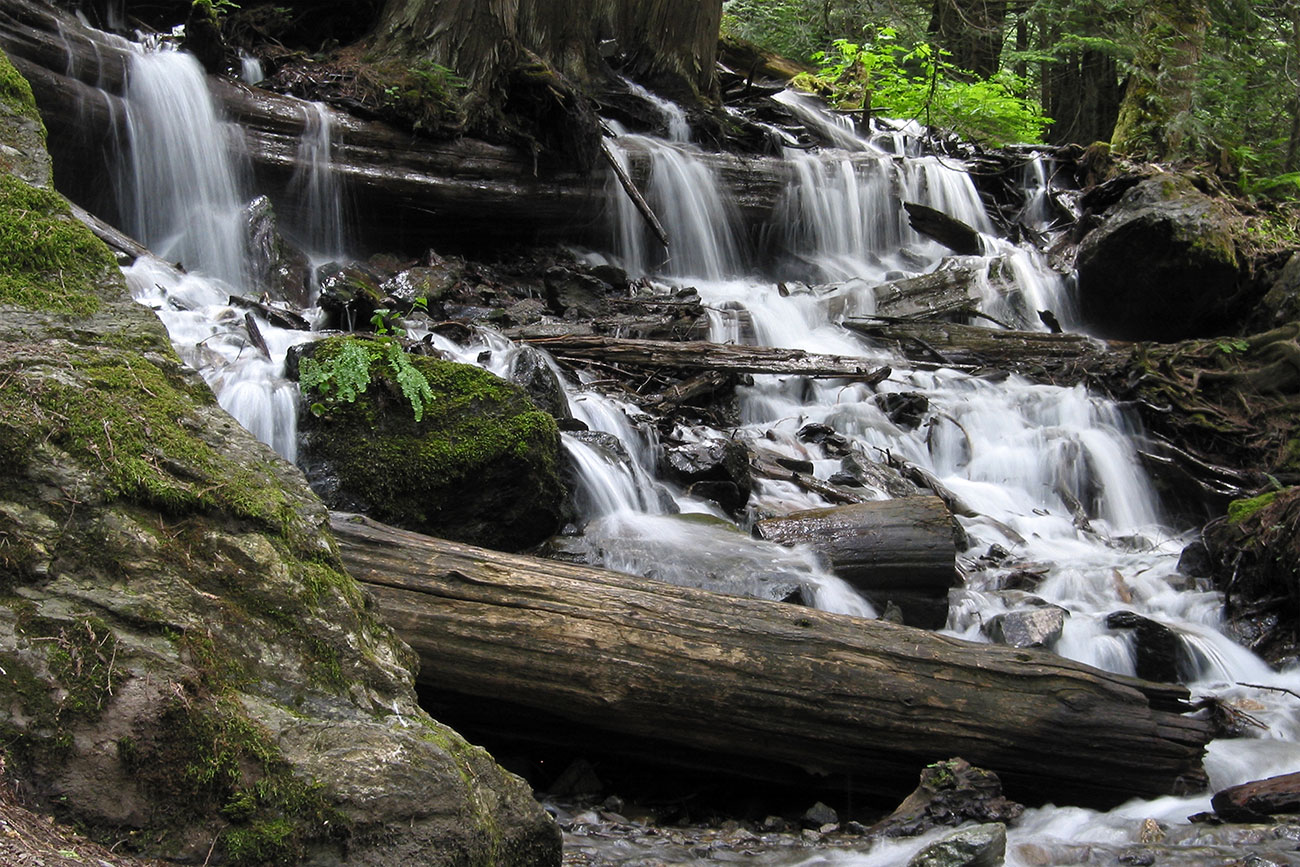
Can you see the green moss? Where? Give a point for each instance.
(478, 431)
(15, 92)
(49, 261)
(1240, 510)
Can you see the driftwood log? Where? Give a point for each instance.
(701, 355)
(778, 686)
(902, 551)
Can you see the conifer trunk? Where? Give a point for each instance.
(1159, 92)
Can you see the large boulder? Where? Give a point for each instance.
(1163, 265)
(477, 462)
(185, 667)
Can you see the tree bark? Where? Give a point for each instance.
(773, 684)
(1159, 91)
(972, 31)
(901, 551)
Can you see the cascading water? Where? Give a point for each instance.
(1048, 478)
(315, 185)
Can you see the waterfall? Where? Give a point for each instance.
(185, 202)
(316, 187)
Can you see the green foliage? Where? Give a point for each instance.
(1240, 510)
(920, 83)
(342, 374)
(49, 261)
(1231, 346)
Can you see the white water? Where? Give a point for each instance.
(316, 186)
(1015, 453)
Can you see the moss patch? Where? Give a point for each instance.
(49, 261)
(15, 92)
(481, 465)
(1240, 510)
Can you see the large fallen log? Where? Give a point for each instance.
(866, 702)
(701, 355)
(901, 551)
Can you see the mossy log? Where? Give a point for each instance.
(866, 703)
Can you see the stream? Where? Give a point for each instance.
(1024, 458)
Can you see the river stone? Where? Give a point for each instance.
(1039, 627)
(186, 665)
(1160, 653)
(978, 846)
(480, 466)
(1162, 266)
(713, 460)
(349, 294)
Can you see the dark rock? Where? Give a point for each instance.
(481, 465)
(728, 495)
(1161, 655)
(1037, 628)
(980, 846)
(530, 371)
(832, 442)
(818, 815)
(797, 465)
(578, 779)
(434, 284)
(879, 476)
(350, 294)
(1281, 303)
(203, 37)
(279, 269)
(574, 294)
(1258, 800)
(950, 793)
(905, 409)
(1163, 265)
(715, 460)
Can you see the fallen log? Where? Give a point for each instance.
(702, 355)
(1062, 359)
(949, 231)
(901, 551)
(866, 703)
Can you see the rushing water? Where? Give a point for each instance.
(1049, 476)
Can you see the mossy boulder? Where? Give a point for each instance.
(480, 464)
(185, 667)
(1163, 265)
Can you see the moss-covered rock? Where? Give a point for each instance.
(184, 663)
(480, 465)
(1163, 265)
(22, 135)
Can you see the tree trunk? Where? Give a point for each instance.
(670, 45)
(774, 685)
(891, 551)
(972, 31)
(1159, 91)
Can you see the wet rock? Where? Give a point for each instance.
(832, 442)
(1258, 800)
(279, 269)
(818, 815)
(479, 465)
(349, 295)
(980, 846)
(1195, 561)
(529, 371)
(1190, 274)
(877, 476)
(713, 460)
(578, 779)
(728, 495)
(1161, 655)
(1040, 627)
(1281, 303)
(950, 793)
(432, 283)
(575, 295)
(905, 409)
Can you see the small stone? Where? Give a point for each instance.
(819, 814)
(1151, 832)
(976, 846)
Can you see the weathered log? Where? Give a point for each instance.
(700, 355)
(774, 685)
(949, 231)
(1258, 800)
(807, 481)
(1060, 358)
(945, 292)
(643, 207)
(901, 551)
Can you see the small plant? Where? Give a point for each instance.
(1231, 346)
(341, 377)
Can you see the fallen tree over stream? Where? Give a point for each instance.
(779, 687)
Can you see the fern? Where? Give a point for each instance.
(338, 379)
(413, 384)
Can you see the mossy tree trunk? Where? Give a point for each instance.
(1159, 91)
(669, 45)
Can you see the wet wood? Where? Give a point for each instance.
(942, 293)
(770, 683)
(949, 231)
(642, 206)
(701, 355)
(1059, 358)
(808, 482)
(1258, 800)
(901, 551)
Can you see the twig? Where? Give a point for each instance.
(1271, 688)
